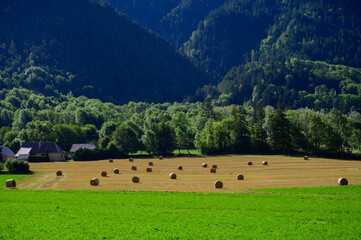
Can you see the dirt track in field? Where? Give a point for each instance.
(281, 172)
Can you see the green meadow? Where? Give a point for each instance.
(313, 213)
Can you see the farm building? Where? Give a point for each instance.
(39, 149)
(7, 154)
(75, 147)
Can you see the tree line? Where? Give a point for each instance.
(163, 128)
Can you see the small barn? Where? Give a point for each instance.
(39, 149)
(77, 146)
(7, 154)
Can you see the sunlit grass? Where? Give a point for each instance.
(315, 214)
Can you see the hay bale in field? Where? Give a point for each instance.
(213, 170)
(131, 160)
(104, 173)
(342, 182)
(214, 166)
(110, 160)
(10, 183)
(135, 179)
(265, 163)
(59, 173)
(134, 168)
(180, 167)
(116, 170)
(218, 184)
(250, 163)
(150, 163)
(204, 165)
(149, 169)
(160, 157)
(172, 176)
(94, 182)
(240, 177)
(305, 158)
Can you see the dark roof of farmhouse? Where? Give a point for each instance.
(41, 147)
(77, 146)
(7, 152)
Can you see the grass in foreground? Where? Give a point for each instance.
(339, 191)
(320, 213)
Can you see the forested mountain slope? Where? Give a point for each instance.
(269, 50)
(88, 48)
(277, 31)
(311, 57)
(147, 12)
(229, 33)
(177, 26)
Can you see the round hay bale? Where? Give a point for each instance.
(149, 169)
(213, 170)
(59, 173)
(180, 167)
(116, 170)
(240, 177)
(110, 160)
(135, 179)
(160, 157)
(342, 182)
(104, 174)
(172, 176)
(218, 184)
(265, 163)
(131, 160)
(214, 166)
(134, 168)
(250, 163)
(204, 165)
(150, 163)
(94, 182)
(305, 158)
(10, 183)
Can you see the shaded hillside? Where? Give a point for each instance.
(223, 34)
(229, 33)
(178, 25)
(89, 49)
(147, 12)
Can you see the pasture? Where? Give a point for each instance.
(311, 213)
(281, 172)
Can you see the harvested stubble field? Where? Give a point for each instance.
(281, 172)
(311, 213)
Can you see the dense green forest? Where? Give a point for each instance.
(306, 53)
(310, 58)
(303, 53)
(163, 128)
(244, 76)
(87, 48)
